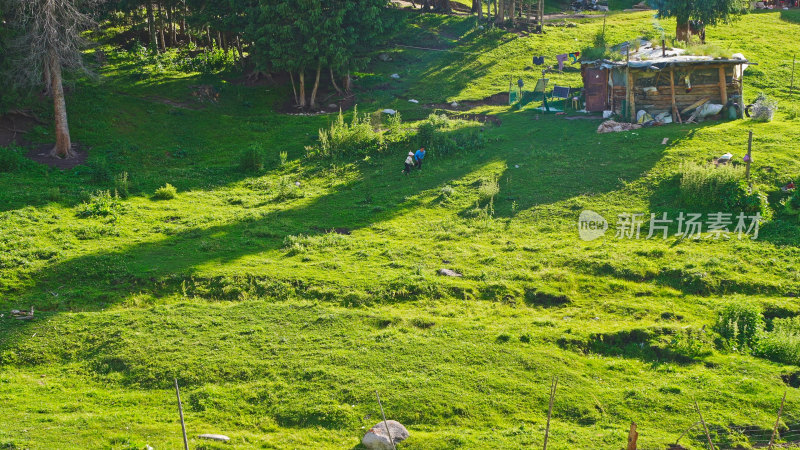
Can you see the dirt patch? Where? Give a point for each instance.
(500, 99)
(14, 126)
(326, 103)
(483, 118)
(41, 154)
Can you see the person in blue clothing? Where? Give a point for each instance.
(418, 157)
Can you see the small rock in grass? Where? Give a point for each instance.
(384, 57)
(389, 111)
(454, 104)
(215, 437)
(449, 273)
(377, 439)
(395, 76)
(333, 106)
(413, 101)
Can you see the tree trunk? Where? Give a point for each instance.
(239, 49)
(478, 8)
(348, 82)
(302, 89)
(333, 81)
(170, 16)
(208, 35)
(161, 28)
(682, 31)
(316, 86)
(294, 90)
(63, 148)
(151, 28)
(183, 19)
(499, 12)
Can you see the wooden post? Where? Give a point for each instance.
(180, 410)
(749, 156)
(633, 436)
(777, 421)
(675, 112)
(632, 99)
(705, 428)
(663, 48)
(553, 386)
(388, 433)
(723, 86)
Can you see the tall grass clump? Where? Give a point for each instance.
(251, 160)
(356, 138)
(166, 192)
(100, 204)
(740, 325)
(10, 159)
(782, 344)
(720, 188)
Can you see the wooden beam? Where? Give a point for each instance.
(675, 113)
(631, 97)
(723, 86)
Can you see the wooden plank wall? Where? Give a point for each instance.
(662, 101)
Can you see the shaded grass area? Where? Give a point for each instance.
(280, 329)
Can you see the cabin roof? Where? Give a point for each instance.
(649, 56)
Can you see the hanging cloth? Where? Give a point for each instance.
(574, 56)
(538, 60)
(562, 58)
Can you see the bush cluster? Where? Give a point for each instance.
(722, 188)
(742, 328)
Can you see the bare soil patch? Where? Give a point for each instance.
(14, 126)
(41, 154)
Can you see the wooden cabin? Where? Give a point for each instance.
(658, 80)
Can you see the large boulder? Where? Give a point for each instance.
(377, 439)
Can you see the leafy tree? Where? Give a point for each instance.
(48, 40)
(706, 12)
(299, 36)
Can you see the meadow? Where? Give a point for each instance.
(283, 294)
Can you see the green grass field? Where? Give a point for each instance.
(280, 330)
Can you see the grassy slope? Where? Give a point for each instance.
(283, 348)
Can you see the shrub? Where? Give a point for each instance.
(763, 108)
(447, 191)
(251, 160)
(122, 185)
(487, 190)
(283, 157)
(357, 138)
(740, 325)
(286, 190)
(166, 192)
(722, 188)
(100, 204)
(11, 159)
(425, 134)
(782, 344)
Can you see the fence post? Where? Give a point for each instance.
(180, 410)
(705, 428)
(633, 436)
(777, 421)
(388, 433)
(553, 386)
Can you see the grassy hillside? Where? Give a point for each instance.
(282, 308)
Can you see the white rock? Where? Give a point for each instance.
(395, 76)
(389, 111)
(215, 437)
(413, 101)
(454, 104)
(377, 439)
